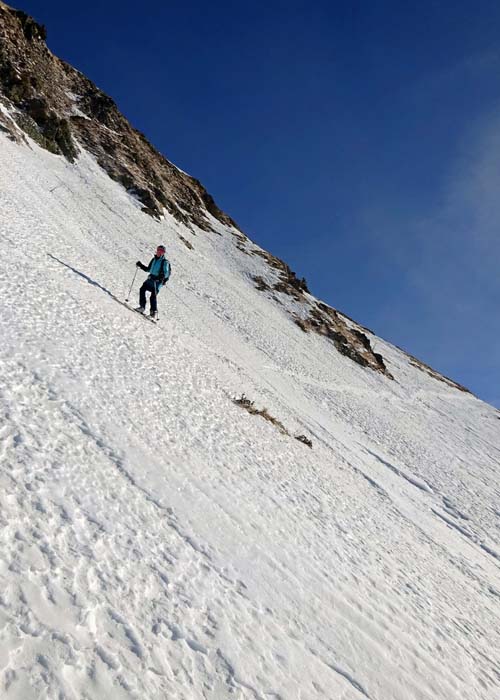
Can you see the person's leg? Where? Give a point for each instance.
(152, 300)
(142, 295)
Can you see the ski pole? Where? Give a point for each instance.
(130, 290)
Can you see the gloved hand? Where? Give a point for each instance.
(138, 263)
(161, 279)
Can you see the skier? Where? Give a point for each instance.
(159, 272)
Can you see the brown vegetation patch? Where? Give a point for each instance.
(249, 406)
(414, 362)
(304, 439)
(187, 243)
(351, 342)
(240, 237)
(260, 283)
(322, 319)
(288, 282)
(263, 412)
(271, 260)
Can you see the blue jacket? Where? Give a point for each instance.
(159, 270)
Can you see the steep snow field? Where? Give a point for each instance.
(158, 541)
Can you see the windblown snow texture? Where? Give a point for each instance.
(158, 541)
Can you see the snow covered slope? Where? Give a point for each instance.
(159, 541)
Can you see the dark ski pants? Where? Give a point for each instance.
(148, 286)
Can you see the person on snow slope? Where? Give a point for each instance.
(159, 272)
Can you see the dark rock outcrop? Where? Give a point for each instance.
(349, 341)
(288, 282)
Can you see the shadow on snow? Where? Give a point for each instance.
(86, 278)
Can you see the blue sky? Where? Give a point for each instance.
(359, 141)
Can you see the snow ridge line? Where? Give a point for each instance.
(419, 483)
(357, 686)
(469, 535)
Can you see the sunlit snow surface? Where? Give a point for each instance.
(158, 541)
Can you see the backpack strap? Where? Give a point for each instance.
(166, 269)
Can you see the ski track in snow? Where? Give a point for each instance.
(158, 541)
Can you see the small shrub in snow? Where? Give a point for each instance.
(249, 406)
(260, 283)
(304, 439)
(187, 243)
(245, 403)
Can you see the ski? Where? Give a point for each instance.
(146, 317)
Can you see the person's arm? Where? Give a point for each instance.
(143, 267)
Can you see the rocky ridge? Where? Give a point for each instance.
(63, 111)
